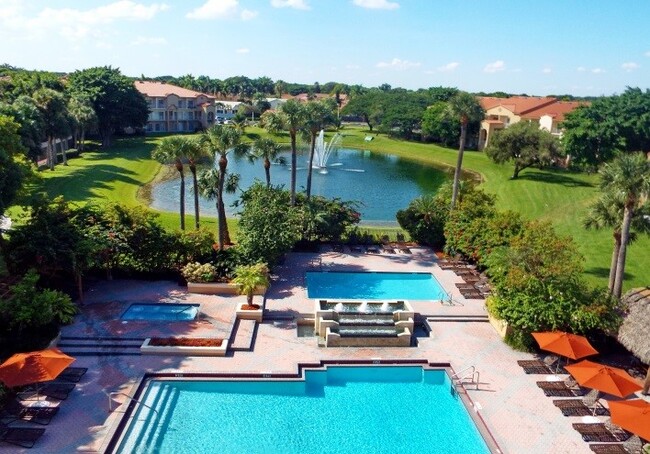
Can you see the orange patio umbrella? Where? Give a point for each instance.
(34, 367)
(565, 344)
(632, 415)
(610, 380)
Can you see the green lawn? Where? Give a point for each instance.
(122, 174)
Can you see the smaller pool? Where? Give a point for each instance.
(161, 311)
(373, 286)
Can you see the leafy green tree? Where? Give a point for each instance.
(250, 277)
(424, 220)
(220, 140)
(13, 169)
(56, 121)
(268, 150)
(81, 110)
(626, 177)
(267, 228)
(607, 212)
(524, 144)
(25, 112)
(171, 150)
(326, 219)
(464, 108)
(437, 126)
(115, 99)
(317, 116)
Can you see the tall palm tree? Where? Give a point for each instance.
(83, 114)
(318, 114)
(171, 150)
(627, 177)
(293, 115)
(465, 108)
(194, 152)
(56, 120)
(209, 182)
(606, 212)
(219, 141)
(268, 150)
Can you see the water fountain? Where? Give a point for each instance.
(323, 150)
(363, 323)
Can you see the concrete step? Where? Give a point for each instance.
(243, 335)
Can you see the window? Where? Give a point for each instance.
(161, 115)
(149, 127)
(157, 127)
(190, 104)
(181, 103)
(161, 104)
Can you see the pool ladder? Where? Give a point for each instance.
(118, 393)
(469, 372)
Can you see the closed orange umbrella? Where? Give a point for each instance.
(565, 344)
(610, 380)
(632, 415)
(34, 367)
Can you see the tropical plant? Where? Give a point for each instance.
(171, 150)
(250, 277)
(82, 112)
(193, 152)
(524, 144)
(268, 150)
(197, 272)
(626, 178)
(317, 115)
(465, 108)
(56, 122)
(13, 168)
(424, 220)
(293, 115)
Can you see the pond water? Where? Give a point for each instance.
(382, 184)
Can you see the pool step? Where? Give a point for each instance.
(100, 346)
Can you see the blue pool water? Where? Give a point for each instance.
(374, 286)
(142, 311)
(341, 409)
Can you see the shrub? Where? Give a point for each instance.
(424, 220)
(326, 219)
(197, 272)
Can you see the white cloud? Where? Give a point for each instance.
(148, 41)
(547, 70)
(449, 67)
(243, 50)
(647, 54)
(494, 67)
(398, 64)
(597, 70)
(220, 9)
(376, 4)
(296, 4)
(352, 67)
(581, 69)
(73, 23)
(630, 66)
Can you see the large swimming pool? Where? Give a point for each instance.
(373, 286)
(340, 409)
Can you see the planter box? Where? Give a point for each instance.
(147, 349)
(218, 288)
(250, 314)
(500, 326)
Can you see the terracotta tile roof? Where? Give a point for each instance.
(519, 105)
(160, 90)
(556, 110)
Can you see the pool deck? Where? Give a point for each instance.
(520, 417)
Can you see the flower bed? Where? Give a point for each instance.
(184, 346)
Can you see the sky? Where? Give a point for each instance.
(579, 47)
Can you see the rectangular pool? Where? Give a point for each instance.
(374, 286)
(161, 311)
(340, 409)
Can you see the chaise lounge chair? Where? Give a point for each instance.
(608, 448)
(20, 436)
(600, 433)
(536, 366)
(59, 391)
(39, 415)
(567, 388)
(589, 405)
(72, 374)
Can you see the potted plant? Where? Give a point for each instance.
(249, 278)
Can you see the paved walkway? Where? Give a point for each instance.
(518, 414)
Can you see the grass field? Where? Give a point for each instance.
(562, 197)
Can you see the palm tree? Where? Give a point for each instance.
(268, 150)
(194, 152)
(293, 115)
(171, 150)
(318, 114)
(220, 140)
(627, 178)
(249, 278)
(607, 212)
(56, 121)
(465, 108)
(81, 110)
(209, 182)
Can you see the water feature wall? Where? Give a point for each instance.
(363, 323)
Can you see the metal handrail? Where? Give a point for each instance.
(117, 393)
(457, 374)
(457, 379)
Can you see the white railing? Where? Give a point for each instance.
(118, 393)
(468, 372)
